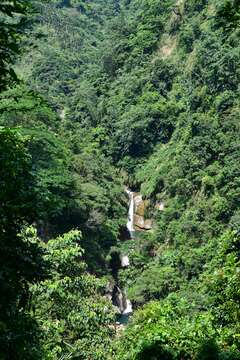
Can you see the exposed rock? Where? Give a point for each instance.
(141, 223)
(140, 205)
(136, 215)
(160, 206)
(118, 299)
(148, 224)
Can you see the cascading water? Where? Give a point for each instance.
(128, 309)
(126, 305)
(130, 222)
(121, 261)
(125, 261)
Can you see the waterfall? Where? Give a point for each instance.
(125, 304)
(121, 261)
(130, 222)
(125, 261)
(120, 300)
(128, 309)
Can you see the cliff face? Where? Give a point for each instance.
(140, 208)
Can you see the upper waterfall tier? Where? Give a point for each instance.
(130, 222)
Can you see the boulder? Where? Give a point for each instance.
(148, 224)
(141, 223)
(140, 205)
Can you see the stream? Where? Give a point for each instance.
(119, 296)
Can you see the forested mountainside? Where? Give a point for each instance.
(138, 94)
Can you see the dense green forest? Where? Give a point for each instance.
(96, 97)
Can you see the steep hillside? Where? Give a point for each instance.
(76, 184)
(180, 133)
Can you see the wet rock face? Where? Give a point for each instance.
(140, 207)
(120, 301)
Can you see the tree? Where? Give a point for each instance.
(20, 258)
(11, 27)
(75, 318)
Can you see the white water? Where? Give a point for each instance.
(130, 222)
(124, 305)
(128, 309)
(125, 261)
(119, 296)
(120, 300)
